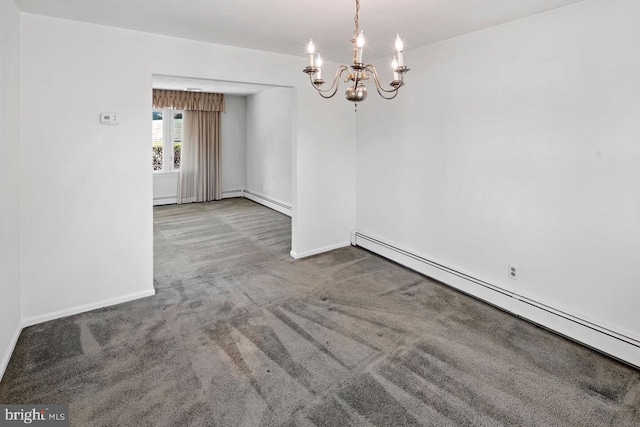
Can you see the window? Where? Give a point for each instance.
(158, 137)
(177, 138)
(167, 131)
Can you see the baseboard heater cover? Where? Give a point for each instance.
(268, 202)
(615, 344)
(164, 200)
(229, 194)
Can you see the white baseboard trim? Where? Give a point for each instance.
(86, 307)
(230, 194)
(270, 203)
(173, 199)
(165, 200)
(7, 355)
(618, 345)
(318, 251)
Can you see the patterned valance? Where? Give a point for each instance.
(184, 100)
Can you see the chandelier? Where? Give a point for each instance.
(358, 72)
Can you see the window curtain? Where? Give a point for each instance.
(199, 177)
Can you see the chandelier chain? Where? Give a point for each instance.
(356, 20)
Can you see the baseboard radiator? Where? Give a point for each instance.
(230, 194)
(268, 202)
(618, 345)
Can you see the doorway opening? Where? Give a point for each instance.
(256, 141)
(256, 164)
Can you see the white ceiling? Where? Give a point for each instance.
(215, 86)
(285, 26)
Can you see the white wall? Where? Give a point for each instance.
(269, 143)
(165, 188)
(232, 124)
(87, 225)
(519, 144)
(10, 248)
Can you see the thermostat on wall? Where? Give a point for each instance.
(110, 118)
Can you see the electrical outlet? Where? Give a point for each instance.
(513, 271)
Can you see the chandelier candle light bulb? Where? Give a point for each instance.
(319, 65)
(394, 66)
(311, 50)
(359, 46)
(400, 49)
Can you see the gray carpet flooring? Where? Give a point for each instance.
(240, 334)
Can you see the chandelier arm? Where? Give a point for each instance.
(334, 86)
(379, 87)
(321, 93)
(382, 94)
